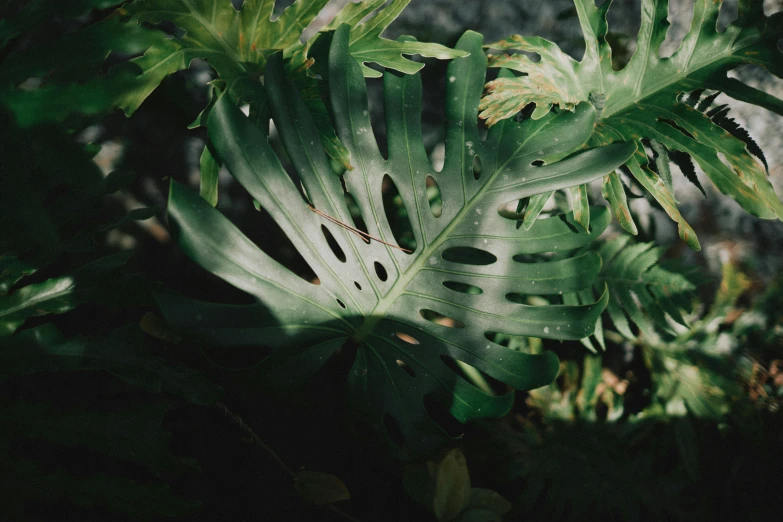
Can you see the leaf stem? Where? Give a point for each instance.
(249, 431)
(236, 419)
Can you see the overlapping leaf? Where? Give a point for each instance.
(95, 282)
(641, 101)
(367, 45)
(408, 312)
(643, 290)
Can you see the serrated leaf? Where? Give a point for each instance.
(613, 191)
(367, 45)
(640, 101)
(375, 290)
(642, 290)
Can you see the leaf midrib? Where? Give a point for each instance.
(656, 87)
(53, 294)
(398, 289)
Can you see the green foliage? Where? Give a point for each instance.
(371, 292)
(442, 288)
(641, 102)
(644, 290)
(444, 487)
(236, 43)
(16, 19)
(96, 282)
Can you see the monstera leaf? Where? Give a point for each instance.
(641, 101)
(410, 314)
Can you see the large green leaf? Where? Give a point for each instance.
(371, 294)
(641, 101)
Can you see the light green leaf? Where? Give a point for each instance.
(209, 177)
(643, 290)
(452, 486)
(373, 295)
(367, 45)
(613, 191)
(320, 488)
(641, 100)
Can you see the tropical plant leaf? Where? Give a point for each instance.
(16, 19)
(367, 45)
(643, 291)
(94, 282)
(641, 102)
(398, 307)
(12, 269)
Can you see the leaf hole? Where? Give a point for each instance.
(463, 288)
(527, 299)
(357, 285)
(434, 197)
(476, 167)
(276, 142)
(402, 336)
(675, 125)
(443, 320)
(469, 256)
(377, 121)
(438, 411)
(342, 305)
(333, 245)
(264, 232)
(406, 367)
(673, 40)
(355, 211)
(519, 343)
(397, 215)
(380, 271)
(475, 377)
(537, 163)
(393, 431)
(729, 12)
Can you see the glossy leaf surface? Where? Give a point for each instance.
(642, 100)
(399, 308)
